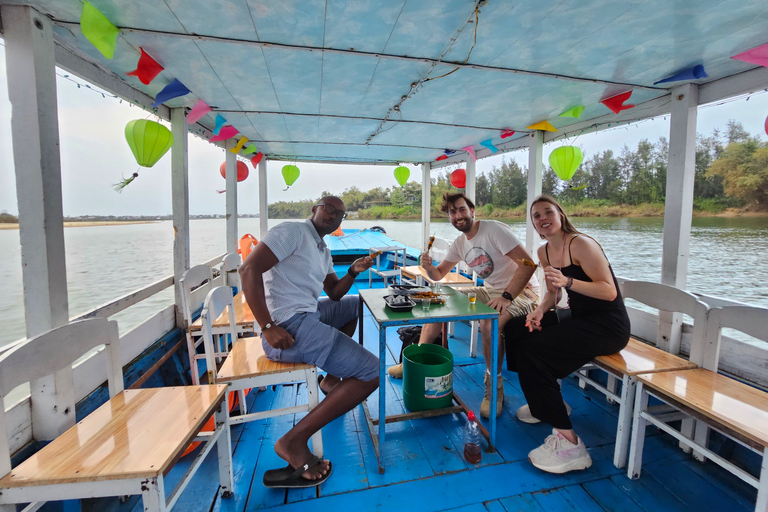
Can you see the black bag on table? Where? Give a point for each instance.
(410, 335)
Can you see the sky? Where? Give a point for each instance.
(95, 155)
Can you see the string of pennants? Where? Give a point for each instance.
(102, 34)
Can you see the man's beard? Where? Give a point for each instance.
(466, 226)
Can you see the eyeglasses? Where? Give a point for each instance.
(333, 210)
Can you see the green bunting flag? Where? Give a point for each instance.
(98, 30)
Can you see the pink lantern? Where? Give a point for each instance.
(242, 170)
(459, 178)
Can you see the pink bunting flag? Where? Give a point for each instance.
(441, 157)
(616, 103)
(198, 111)
(758, 55)
(147, 68)
(507, 133)
(471, 151)
(227, 132)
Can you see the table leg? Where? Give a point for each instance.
(382, 393)
(494, 366)
(360, 320)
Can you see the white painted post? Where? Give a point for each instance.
(678, 207)
(426, 204)
(263, 199)
(471, 179)
(30, 65)
(535, 157)
(231, 159)
(180, 199)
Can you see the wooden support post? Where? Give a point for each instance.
(535, 157)
(678, 207)
(470, 190)
(231, 164)
(30, 63)
(263, 199)
(426, 203)
(180, 199)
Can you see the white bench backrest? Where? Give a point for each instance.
(750, 320)
(671, 300)
(219, 299)
(195, 284)
(54, 352)
(229, 268)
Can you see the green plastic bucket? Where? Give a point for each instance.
(427, 377)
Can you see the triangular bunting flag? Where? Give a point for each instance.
(441, 157)
(220, 121)
(471, 151)
(98, 30)
(256, 159)
(250, 149)
(543, 125)
(507, 133)
(198, 111)
(239, 146)
(225, 133)
(758, 55)
(170, 91)
(693, 73)
(488, 144)
(573, 112)
(147, 68)
(615, 103)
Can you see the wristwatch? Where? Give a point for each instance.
(569, 283)
(267, 326)
(507, 296)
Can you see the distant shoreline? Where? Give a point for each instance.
(89, 223)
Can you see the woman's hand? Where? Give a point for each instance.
(533, 320)
(555, 277)
(277, 337)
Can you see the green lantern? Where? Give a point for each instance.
(565, 161)
(401, 175)
(290, 175)
(148, 141)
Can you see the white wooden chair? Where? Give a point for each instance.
(229, 269)
(639, 358)
(386, 274)
(734, 409)
(195, 284)
(246, 366)
(126, 446)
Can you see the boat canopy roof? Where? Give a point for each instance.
(404, 81)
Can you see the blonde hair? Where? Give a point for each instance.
(566, 225)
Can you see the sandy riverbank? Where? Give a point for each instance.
(85, 224)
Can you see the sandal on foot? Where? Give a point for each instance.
(288, 477)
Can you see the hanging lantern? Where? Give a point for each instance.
(565, 161)
(401, 175)
(766, 125)
(459, 178)
(148, 141)
(242, 170)
(290, 175)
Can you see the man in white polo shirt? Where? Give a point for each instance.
(282, 280)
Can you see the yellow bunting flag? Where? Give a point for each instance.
(543, 125)
(239, 146)
(98, 30)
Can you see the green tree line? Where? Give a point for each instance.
(731, 170)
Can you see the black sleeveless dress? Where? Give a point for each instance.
(596, 327)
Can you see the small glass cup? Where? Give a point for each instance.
(472, 298)
(425, 303)
(438, 288)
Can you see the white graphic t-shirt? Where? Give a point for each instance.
(486, 253)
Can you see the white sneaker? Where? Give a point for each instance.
(524, 414)
(559, 455)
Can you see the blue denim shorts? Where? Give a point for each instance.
(318, 341)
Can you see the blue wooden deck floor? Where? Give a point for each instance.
(425, 470)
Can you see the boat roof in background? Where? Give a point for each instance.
(333, 80)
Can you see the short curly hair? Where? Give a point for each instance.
(449, 199)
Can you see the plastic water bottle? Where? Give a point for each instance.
(472, 440)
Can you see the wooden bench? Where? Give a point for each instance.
(733, 408)
(640, 358)
(127, 445)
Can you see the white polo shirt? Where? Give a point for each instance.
(295, 283)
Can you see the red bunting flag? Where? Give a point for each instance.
(147, 69)
(616, 103)
(257, 158)
(441, 157)
(507, 133)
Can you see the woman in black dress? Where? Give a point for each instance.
(548, 345)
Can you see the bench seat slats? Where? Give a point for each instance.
(247, 359)
(638, 358)
(137, 434)
(734, 405)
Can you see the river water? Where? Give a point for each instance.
(729, 258)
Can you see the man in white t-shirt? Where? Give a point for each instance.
(491, 249)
